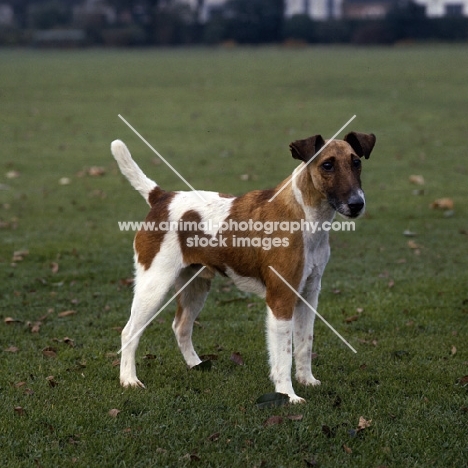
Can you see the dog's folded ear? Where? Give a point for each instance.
(306, 149)
(362, 143)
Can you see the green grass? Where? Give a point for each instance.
(217, 114)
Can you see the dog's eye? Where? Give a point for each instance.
(357, 163)
(328, 166)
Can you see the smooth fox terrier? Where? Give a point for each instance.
(170, 257)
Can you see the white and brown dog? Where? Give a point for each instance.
(165, 258)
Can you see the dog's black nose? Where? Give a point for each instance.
(355, 205)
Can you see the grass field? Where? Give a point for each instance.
(218, 115)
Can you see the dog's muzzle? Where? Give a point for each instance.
(353, 207)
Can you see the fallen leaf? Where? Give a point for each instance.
(95, 171)
(36, 326)
(18, 256)
(347, 449)
(66, 313)
(64, 181)
(409, 233)
(273, 420)
(49, 352)
(114, 412)
(9, 320)
(453, 351)
(19, 384)
(311, 462)
(12, 174)
(463, 381)
(295, 417)
(127, 281)
(417, 179)
(116, 362)
(28, 391)
(194, 457)
(353, 318)
(363, 423)
(19, 410)
(11, 349)
(442, 204)
(69, 342)
(214, 437)
(51, 380)
(237, 358)
(412, 245)
(391, 283)
(54, 267)
(150, 356)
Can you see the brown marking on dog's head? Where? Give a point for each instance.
(335, 172)
(148, 243)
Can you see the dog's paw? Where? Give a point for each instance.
(294, 399)
(131, 382)
(308, 381)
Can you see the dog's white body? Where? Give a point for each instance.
(164, 258)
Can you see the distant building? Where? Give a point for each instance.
(366, 9)
(6, 15)
(438, 8)
(315, 9)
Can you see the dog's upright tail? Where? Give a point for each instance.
(130, 169)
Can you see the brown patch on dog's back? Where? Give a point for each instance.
(148, 243)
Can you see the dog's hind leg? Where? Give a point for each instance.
(151, 286)
(189, 304)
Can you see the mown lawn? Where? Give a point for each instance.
(224, 118)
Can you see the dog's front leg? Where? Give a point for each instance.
(304, 319)
(279, 337)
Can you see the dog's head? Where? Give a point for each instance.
(336, 170)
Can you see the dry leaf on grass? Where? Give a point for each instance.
(416, 179)
(237, 358)
(18, 255)
(19, 410)
(412, 245)
(11, 349)
(9, 320)
(12, 174)
(353, 318)
(363, 424)
(51, 380)
(66, 313)
(49, 352)
(113, 412)
(96, 171)
(54, 267)
(273, 420)
(347, 449)
(453, 350)
(442, 204)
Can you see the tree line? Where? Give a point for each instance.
(170, 22)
